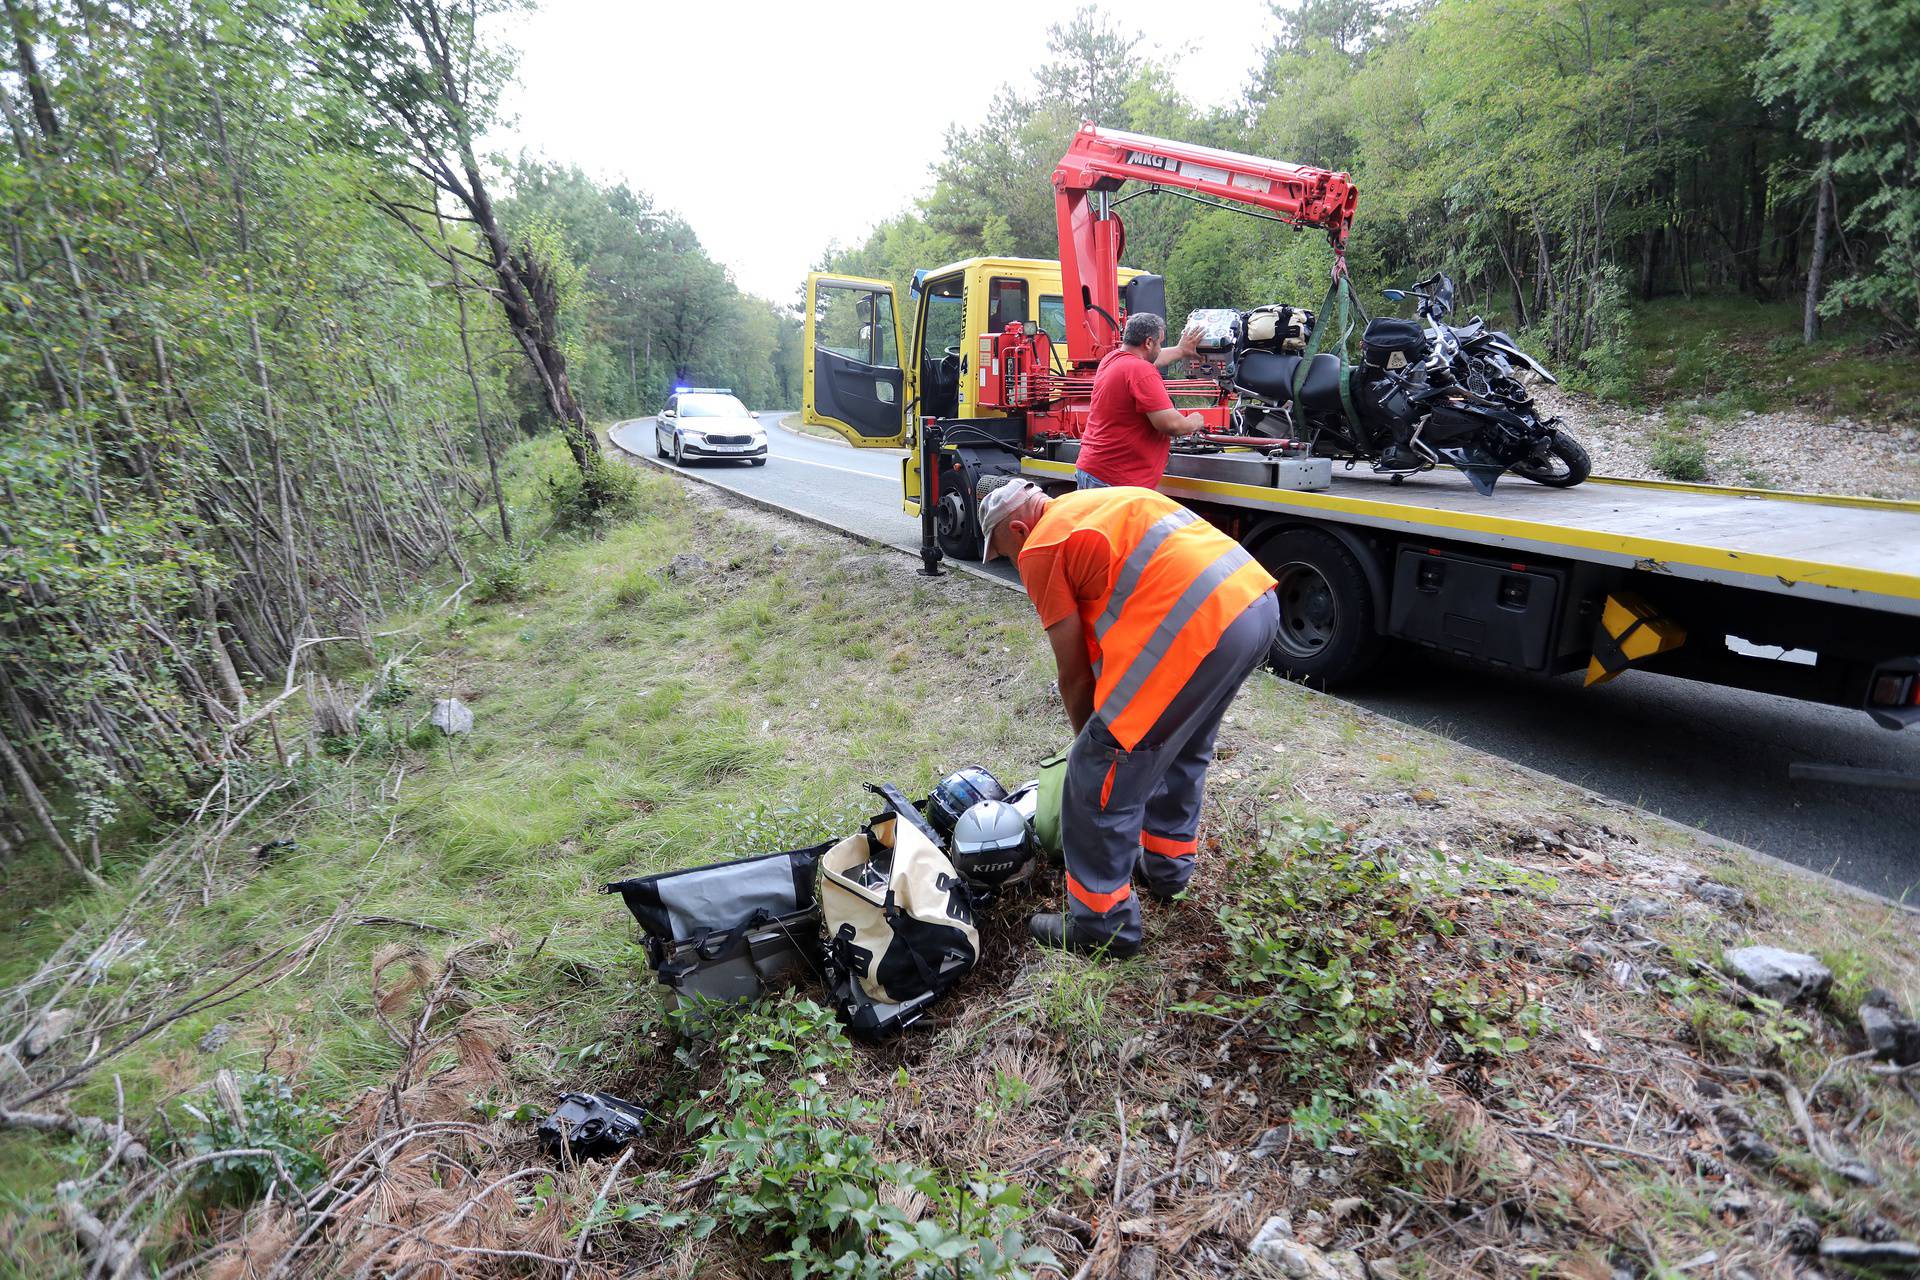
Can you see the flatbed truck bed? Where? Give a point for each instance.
(1806, 595)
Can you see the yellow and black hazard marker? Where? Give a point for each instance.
(1629, 630)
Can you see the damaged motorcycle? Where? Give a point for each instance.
(1420, 397)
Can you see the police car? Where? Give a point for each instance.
(708, 422)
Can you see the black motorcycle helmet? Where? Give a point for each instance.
(959, 792)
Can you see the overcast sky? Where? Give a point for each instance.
(774, 128)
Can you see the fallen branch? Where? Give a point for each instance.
(1853, 1170)
(1571, 1140)
(95, 1237)
(120, 1143)
(287, 691)
(586, 1228)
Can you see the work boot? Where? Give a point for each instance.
(1053, 930)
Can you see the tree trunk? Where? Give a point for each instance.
(1817, 265)
(473, 378)
(37, 805)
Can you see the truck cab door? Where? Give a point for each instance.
(852, 380)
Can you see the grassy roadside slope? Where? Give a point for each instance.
(1414, 988)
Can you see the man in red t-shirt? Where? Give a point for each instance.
(1132, 420)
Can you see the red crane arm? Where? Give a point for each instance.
(1092, 238)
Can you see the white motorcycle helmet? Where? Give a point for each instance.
(990, 842)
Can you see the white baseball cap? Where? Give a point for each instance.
(1003, 504)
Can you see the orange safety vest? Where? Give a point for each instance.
(1174, 584)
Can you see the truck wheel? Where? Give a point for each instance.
(955, 520)
(1327, 610)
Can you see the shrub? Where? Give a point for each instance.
(1400, 1120)
(257, 1111)
(1677, 454)
(801, 1170)
(1318, 930)
(504, 575)
(589, 501)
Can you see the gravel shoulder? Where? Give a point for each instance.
(1790, 449)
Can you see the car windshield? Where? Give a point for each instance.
(711, 407)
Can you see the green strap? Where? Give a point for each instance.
(1340, 300)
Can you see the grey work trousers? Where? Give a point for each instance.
(1142, 807)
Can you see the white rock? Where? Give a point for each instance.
(451, 716)
(46, 1030)
(1274, 1232)
(1782, 975)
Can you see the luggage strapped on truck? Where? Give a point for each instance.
(1340, 297)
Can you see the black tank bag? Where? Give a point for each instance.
(732, 930)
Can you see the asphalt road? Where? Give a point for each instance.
(1711, 757)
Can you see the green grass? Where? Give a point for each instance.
(1677, 452)
(627, 722)
(1718, 357)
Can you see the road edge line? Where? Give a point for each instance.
(1721, 843)
(805, 517)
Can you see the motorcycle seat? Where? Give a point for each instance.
(1268, 375)
(1271, 377)
(1321, 392)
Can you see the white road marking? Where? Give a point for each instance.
(828, 466)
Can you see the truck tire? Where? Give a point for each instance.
(956, 521)
(1328, 629)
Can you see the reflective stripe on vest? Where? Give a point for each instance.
(1136, 564)
(1118, 698)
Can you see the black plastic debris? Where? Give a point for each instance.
(273, 849)
(591, 1125)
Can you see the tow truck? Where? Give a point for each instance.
(1808, 596)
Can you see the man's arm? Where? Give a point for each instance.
(1181, 350)
(1076, 674)
(1172, 422)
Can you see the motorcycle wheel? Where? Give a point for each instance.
(1327, 609)
(1565, 466)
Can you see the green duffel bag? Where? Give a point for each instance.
(1047, 803)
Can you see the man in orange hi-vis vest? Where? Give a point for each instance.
(1156, 619)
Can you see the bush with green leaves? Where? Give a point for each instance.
(1484, 1023)
(260, 1113)
(1678, 455)
(1318, 930)
(504, 575)
(801, 1173)
(1401, 1121)
(591, 500)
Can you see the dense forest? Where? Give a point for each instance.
(1562, 159)
(264, 332)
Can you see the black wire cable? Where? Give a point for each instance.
(1156, 189)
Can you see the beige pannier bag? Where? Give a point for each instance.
(895, 914)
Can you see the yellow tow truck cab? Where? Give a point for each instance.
(871, 373)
